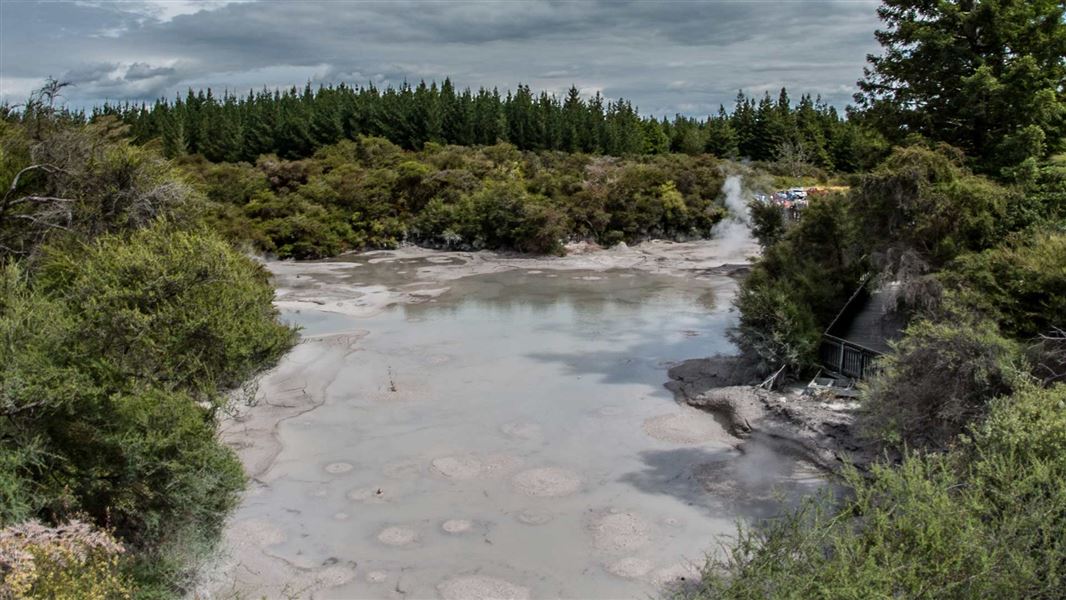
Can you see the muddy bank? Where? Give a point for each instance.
(823, 430)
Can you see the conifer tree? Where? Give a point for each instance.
(295, 123)
(983, 75)
(572, 121)
(721, 138)
(743, 122)
(326, 126)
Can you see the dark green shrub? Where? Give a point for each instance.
(112, 359)
(798, 286)
(541, 228)
(225, 183)
(767, 222)
(774, 326)
(443, 224)
(1020, 284)
(983, 521)
(938, 381)
(369, 193)
(509, 217)
(153, 469)
(923, 201)
(1048, 193)
(309, 235)
(82, 182)
(377, 152)
(167, 307)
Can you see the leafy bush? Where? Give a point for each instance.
(939, 380)
(167, 307)
(774, 326)
(1020, 284)
(917, 212)
(923, 200)
(767, 222)
(112, 358)
(983, 521)
(798, 286)
(77, 183)
(368, 193)
(500, 215)
(1047, 193)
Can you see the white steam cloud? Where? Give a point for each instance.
(733, 233)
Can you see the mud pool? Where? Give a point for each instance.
(495, 433)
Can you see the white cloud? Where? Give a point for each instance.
(160, 10)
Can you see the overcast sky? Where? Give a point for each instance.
(682, 57)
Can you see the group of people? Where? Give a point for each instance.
(792, 201)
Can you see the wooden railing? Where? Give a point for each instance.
(846, 358)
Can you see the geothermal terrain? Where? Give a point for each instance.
(471, 425)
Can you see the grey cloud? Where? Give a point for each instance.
(666, 57)
(116, 81)
(139, 71)
(89, 73)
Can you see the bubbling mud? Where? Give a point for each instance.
(456, 526)
(534, 517)
(619, 532)
(547, 482)
(338, 468)
(630, 567)
(477, 587)
(457, 467)
(397, 536)
(469, 425)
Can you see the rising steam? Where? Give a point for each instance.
(733, 233)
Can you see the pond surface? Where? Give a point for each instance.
(507, 437)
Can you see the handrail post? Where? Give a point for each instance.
(855, 367)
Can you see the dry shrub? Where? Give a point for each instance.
(1048, 356)
(73, 561)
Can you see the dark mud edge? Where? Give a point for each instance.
(821, 430)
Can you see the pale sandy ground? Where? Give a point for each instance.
(335, 287)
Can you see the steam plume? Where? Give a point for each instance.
(733, 233)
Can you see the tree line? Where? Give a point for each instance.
(294, 123)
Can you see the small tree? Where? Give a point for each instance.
(793, 158)
(767, 222)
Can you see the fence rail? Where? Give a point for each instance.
(846, 358)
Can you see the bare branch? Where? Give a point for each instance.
(38, 221)
(15, 182)
(42, 199)
(1048, 356)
